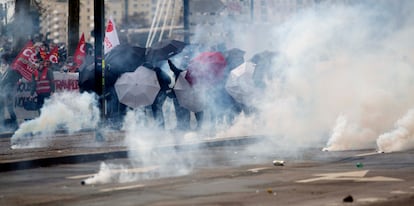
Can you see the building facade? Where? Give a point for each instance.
(144, 16)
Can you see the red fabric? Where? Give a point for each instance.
(80, 53)
(206, 68)
(25, 61)
(42, 83)
(53, 55)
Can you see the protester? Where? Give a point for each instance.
(182, 114)
(7, 86)
(227, 105)
(42, 82)
(165, 91)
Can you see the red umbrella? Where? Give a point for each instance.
(207, 67)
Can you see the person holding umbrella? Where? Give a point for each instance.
(182, 114)
(165, 90)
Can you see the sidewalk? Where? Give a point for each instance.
(83, 147)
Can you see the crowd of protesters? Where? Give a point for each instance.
(226, 108)
(42, 77)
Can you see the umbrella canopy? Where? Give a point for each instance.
(138, 88)
(86, 80)
(123, 58)
(207, 67)
(186, 95)
(164, 50)
(263, 57)
(240, 84)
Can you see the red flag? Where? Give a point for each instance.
(53, 55)
(25, 62)
(80, 52)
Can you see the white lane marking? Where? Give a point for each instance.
(370, 199)
(399, 192)
(367, 154)
(378, 179)
(255, 170)
(121, 188)
(126, 170)
(357, 176)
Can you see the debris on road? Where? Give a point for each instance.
(278, 163)
(348, 198)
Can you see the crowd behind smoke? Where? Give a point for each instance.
(342, 80)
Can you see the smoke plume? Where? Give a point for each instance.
(69, 111)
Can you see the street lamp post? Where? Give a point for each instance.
(99, 32)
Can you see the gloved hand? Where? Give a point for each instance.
(173, 67)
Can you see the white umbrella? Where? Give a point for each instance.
(187, 96)
(240, 84)
(138, 88)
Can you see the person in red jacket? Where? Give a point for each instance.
(43, 82)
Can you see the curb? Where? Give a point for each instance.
(91, 157)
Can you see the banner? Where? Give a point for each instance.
(25, 62)
(80, 53)
(111, 36)
(64, 81)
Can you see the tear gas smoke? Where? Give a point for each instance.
(401, 138)
(342, 77)
(115, 173)
(71, 111)
(346, 63)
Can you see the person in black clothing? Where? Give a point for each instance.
(8, 82)
(182, 114)
(165, 90)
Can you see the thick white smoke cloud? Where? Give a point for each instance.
(401, 138)
(349, 65)
(344, 75)
(71, 111)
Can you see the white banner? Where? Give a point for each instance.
(63, 81)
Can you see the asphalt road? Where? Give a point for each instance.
(220, 175)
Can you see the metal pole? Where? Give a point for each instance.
(252, 10)
(99, 32)
(186, 21)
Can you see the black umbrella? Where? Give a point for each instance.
(86, 80)
(263, 68)
(164, 50)
(123, 58)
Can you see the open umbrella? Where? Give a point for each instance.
(186, 95)
(240, 84)
(122, 58)
(86, 80)
(206, 68)
(138, 88)
(87, 74)
(164, 50)
(125, 58)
